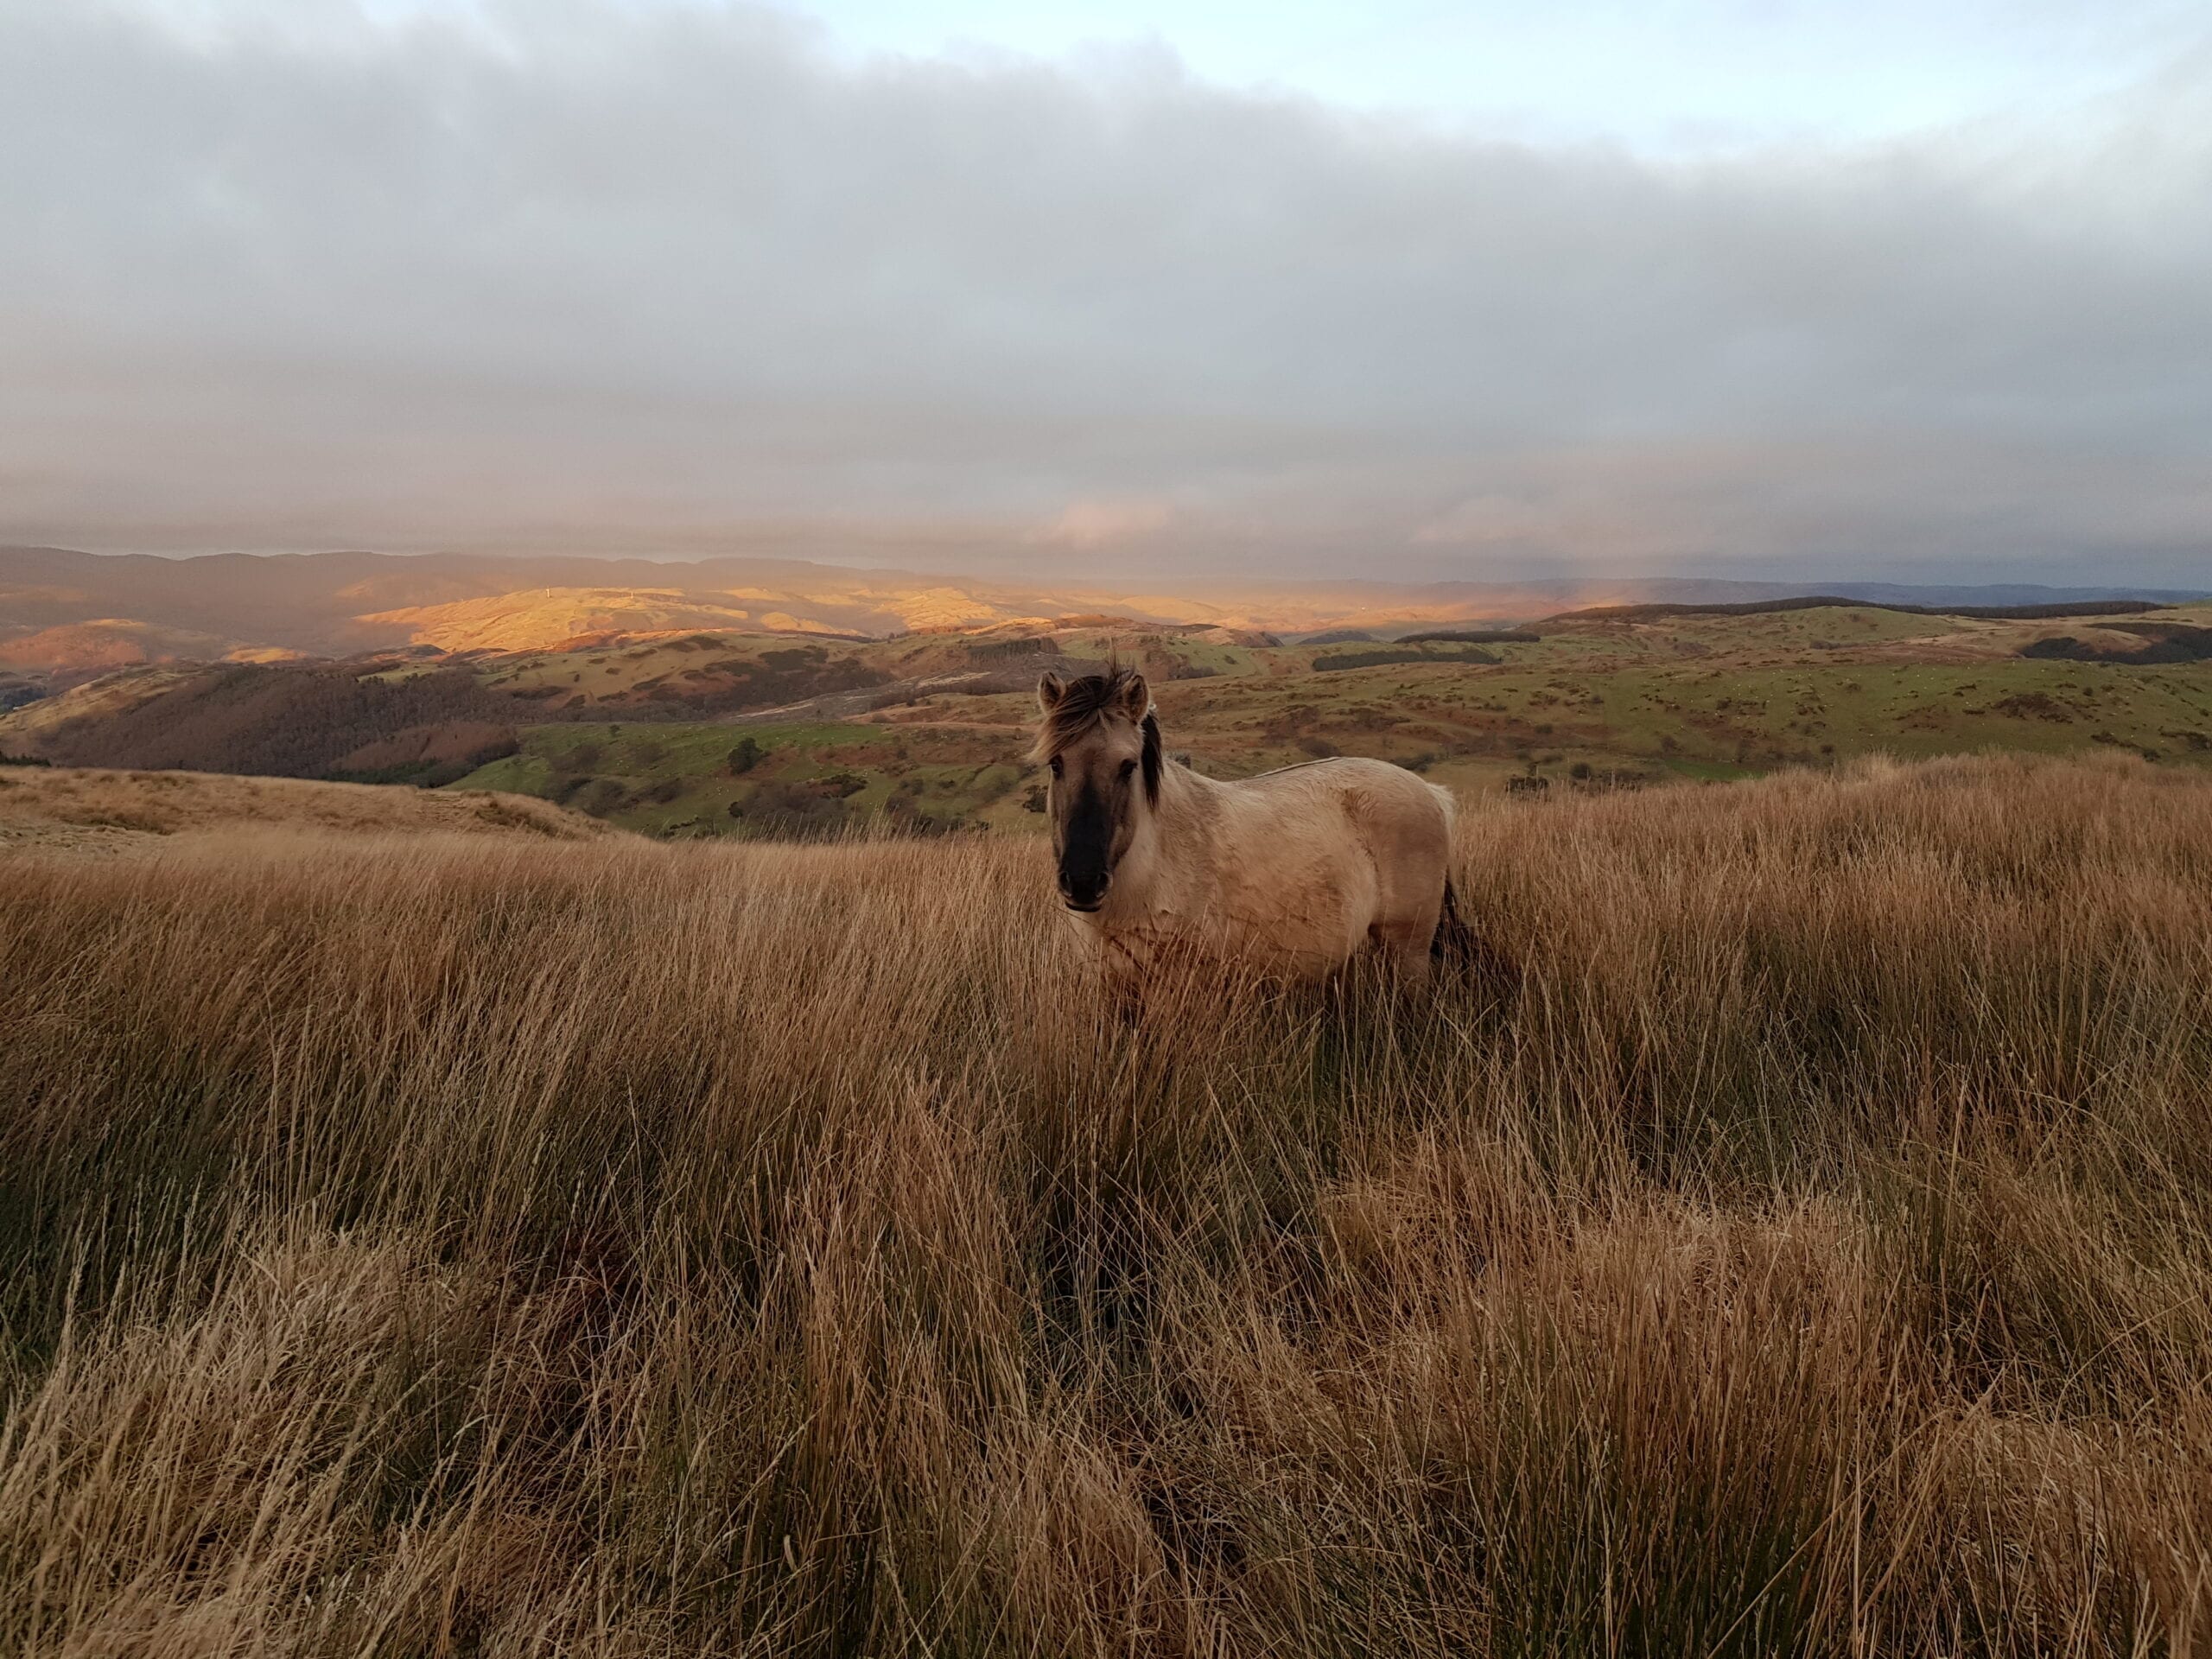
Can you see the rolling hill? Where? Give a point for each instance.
(1595, 702)
(67, 614)
(662, 711)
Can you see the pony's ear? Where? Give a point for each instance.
(1136, 697)
(1050, 690)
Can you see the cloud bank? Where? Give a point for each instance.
(647, 279)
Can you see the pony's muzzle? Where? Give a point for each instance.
(1083, 892)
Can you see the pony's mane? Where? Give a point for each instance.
(1088, 703)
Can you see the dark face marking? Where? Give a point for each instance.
(1105, 758)
(1096, 792)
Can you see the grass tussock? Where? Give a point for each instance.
(1792, 1239)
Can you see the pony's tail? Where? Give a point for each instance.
(1454, 938)
(1459, 945)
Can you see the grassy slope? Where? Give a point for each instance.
(677, 778)
(626, 672)
(634, 1249)
(108, 810)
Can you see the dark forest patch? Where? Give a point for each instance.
(290, 720)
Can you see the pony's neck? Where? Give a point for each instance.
(1170, 860)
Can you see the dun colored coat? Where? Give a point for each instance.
(1291, 874)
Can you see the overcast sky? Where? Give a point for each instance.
(1891, 288)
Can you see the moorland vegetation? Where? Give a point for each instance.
(1796, 1239)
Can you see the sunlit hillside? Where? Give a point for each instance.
(1794, 1240)
(540, 617)
(76, 650)
(73, 614)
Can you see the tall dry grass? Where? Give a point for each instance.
(425, 1247)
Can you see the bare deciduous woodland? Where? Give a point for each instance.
(1797, 1240)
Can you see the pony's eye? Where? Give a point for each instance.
(1055, 764)
(1129, 768)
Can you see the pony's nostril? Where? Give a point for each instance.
(1083, 893)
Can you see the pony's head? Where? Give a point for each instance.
(1102, 745)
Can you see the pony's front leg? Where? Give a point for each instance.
(1403, 949)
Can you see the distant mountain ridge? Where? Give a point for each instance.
(2044, 609)
(64, 612)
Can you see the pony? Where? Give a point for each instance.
(1290, 874)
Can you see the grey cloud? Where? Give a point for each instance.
(678, 280)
